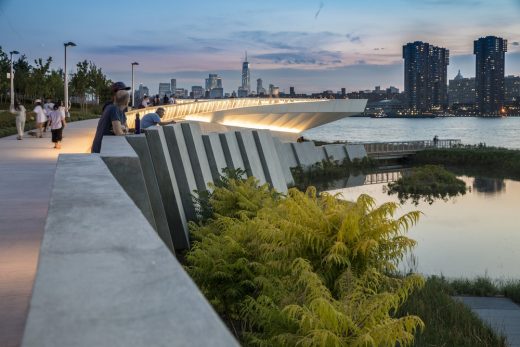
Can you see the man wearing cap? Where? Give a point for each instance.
(113, 120)
(154, 118)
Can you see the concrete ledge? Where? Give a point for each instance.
(104, 276)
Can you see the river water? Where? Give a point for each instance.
(477, 234)
(502, 132)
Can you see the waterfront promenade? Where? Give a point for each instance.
(27, 170)
(26, 177)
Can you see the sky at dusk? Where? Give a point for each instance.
(312, 45)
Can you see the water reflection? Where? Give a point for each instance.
(466, 236)
(489, 186)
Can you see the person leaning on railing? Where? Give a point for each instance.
(154, 118)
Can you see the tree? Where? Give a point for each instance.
(99, 83)
(54, 83)
(38, 78)
(79, 82)
(5, 67)
(22, 72)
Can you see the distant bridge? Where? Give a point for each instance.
(401, 149)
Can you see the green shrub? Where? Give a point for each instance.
(305, 269)
(428, 182)
(476, 160)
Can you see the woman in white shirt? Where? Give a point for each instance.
(19, 111)
(41, 117)
(57, 123)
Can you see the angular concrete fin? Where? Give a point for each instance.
(197, 154)
(140, 146)
(216, 158)
(169, 188)
(249, 152)
(270, 161)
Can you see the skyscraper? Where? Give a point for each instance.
(164, 89)
(425, 76)
(246, 82)
(173, 85)
(213, 81)
(489, 75)
(259, 87)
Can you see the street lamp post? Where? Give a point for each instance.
(12, 77)
(66, 96)
(132, 89)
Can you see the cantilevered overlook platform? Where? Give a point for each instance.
(281, 115)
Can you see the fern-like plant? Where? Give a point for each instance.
(306, 269)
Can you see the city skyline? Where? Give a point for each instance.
(313, 46)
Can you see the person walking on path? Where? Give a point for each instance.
(57, 123)
(41, 118)
(113, 119)
(19, 111)
(154, 118)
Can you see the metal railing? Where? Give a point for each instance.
(409, 146)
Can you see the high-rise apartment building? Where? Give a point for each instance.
(489, 75)
(213, 81)
(259, 87)
(140, 93)
(461, 90)
(274, 91)
(425, 76)
(164, 89)
(512, 88)
(197, 92)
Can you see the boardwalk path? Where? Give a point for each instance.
(26, 177)
(501, 314)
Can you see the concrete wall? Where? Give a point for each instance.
(356, 151)
(104, 276)
(307, 154)
(335, 152)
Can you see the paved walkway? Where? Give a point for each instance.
(502, 314)
(26, 177)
